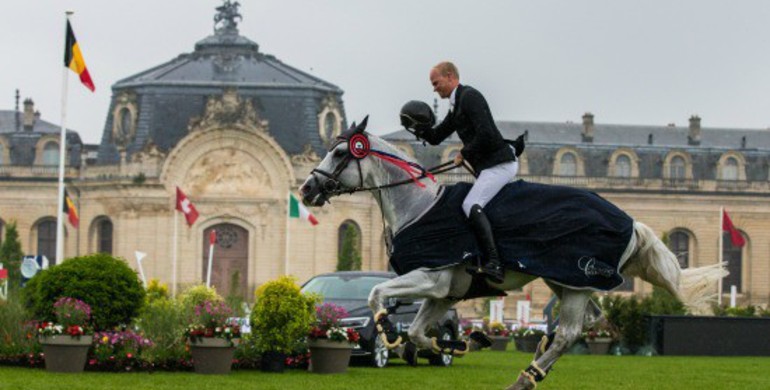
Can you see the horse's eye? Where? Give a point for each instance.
(338, 153)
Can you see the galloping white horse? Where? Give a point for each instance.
(361, 161)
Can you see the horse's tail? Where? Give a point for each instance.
(695, 287)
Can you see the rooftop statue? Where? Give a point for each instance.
(224, 20)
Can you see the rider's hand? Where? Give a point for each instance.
(459, 159)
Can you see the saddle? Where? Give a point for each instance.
(568, 235)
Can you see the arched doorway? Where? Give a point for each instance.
(229, 270)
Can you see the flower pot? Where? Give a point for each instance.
(65, 353)
(599, 345)
(212, 355)
(329, 357)
(499, 343)
(527, 343)
(273, 362)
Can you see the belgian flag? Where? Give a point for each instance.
(73, 59)
(71, 210)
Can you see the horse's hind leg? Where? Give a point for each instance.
(573, 307)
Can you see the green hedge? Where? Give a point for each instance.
(104, 282)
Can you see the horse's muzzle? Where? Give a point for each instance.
(312, 195)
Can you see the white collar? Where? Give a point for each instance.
(452, 97)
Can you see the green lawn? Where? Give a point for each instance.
(478, 370)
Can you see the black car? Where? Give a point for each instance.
(351, 290)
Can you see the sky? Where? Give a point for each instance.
(652, 62)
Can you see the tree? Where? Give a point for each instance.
(11, 256)
(349, 258)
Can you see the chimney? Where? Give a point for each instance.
(588, 127)
(694, 137)
(29, 115)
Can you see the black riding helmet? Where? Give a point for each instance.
(417, 115)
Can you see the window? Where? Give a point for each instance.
(2, 231)
(46, 240)
(104, 236)
(730, 169)
(623, 166)
(51, 154)
(733, 255)
(2, 155)
(568, 165)
(349, 247)
(679, 243)
(677, 168)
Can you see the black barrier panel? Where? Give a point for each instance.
(710, 336)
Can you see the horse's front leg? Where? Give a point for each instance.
(573, 307)
(416, 284)
(431, 311)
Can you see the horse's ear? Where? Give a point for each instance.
(362, 126)
(353, 126)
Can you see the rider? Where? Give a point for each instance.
(493, 160)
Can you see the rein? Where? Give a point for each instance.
(358, 149)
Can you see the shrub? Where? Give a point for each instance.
(11, 255)
(16, 331)
(282, 315)
(525, 331)
(156, 290)
(212, 319)
(199, 294)
(627, 315)
(163, 321)
(498, 329)
(104, 282)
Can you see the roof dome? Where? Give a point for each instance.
(158, 105)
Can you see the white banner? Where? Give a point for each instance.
(522, 312)
(496, 310)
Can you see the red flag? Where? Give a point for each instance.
(213, 237)
(186, 207)
(735, 236)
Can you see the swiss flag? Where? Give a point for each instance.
(186, 207)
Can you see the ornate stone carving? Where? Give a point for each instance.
(329, 119)
(227, 172)
(228, 110)
(150, 152)
(308, 156)
(124, 116)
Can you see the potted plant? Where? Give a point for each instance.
(526, 338)
(599, 337)
(281, 317)
(212, 336)
(500, 336)
(66, 342)
(330, 343)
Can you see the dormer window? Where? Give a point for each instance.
(51, 153)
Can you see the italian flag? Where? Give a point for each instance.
(298, 210)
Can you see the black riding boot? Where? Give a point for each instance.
(491, 268)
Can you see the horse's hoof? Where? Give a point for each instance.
(380, 314)
(410, 353)
(525, 382)
(450, 347)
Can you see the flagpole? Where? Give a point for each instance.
(721, 243)
(212, 238)
(173, 262)
(286, 252)
(62, 151)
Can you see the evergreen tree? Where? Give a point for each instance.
(11, 255)
(349, 258)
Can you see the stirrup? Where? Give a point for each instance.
(493, 273)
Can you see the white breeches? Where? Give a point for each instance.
(489, 183)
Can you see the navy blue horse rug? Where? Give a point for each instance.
(568, 235)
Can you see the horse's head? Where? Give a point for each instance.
(342, 169)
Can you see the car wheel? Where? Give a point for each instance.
(380, 354)
(443, 360)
